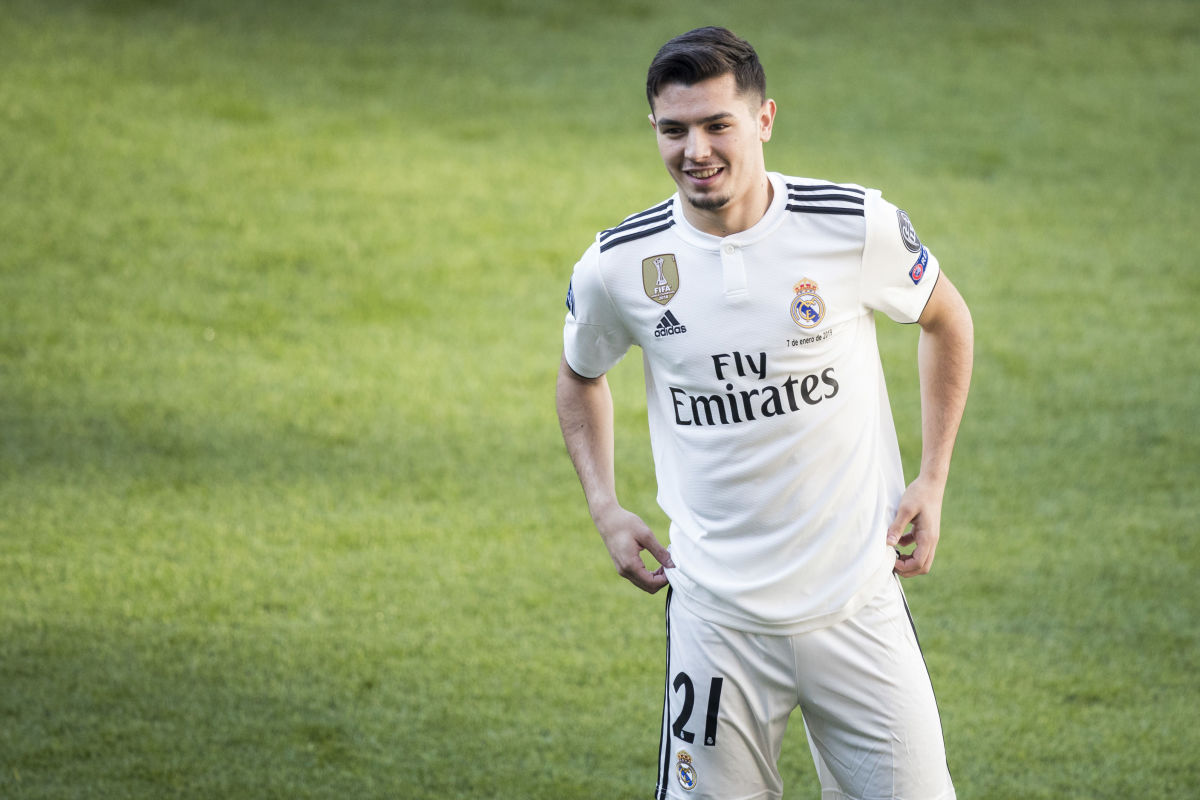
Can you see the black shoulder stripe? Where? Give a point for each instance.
(650, 215)
(608, 234)
(663, 206)
(812, 198)
(641, 234)
(844, 200)
(821, 187)
(848, 212)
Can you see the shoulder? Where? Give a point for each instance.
(611, 246)
(654, 220)
(888, 223)
(812, 196)
(602, 276)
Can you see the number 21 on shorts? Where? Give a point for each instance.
(683, 683)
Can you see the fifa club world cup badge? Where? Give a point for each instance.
(808, 309)
(685, 771)
(660, 278)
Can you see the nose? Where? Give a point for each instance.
(698, 147)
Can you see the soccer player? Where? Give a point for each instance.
(753, 297)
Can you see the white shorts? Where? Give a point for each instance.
(861, 685)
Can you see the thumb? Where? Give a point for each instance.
(896, 529)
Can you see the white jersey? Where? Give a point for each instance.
(772, 434)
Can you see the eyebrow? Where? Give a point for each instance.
(711, 118)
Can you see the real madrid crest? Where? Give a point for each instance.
(685, 771)
(808, 309)
(660, 277)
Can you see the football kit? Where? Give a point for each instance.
(770, 426)
(868, 708)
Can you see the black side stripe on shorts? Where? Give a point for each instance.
(917, 638)
(664, 740)
(912, 623)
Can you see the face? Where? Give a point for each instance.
(710, 137)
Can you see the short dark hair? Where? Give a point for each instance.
(706, 53)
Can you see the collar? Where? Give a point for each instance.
(755, 233)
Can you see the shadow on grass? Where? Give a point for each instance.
(161, 710)
(142, 709)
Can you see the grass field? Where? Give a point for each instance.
(284, 509)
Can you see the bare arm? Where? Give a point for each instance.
(585, 414)
(944, 359)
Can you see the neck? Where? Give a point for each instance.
(735, 216)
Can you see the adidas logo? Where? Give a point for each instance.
(669, 326)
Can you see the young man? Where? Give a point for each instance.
(753, 297)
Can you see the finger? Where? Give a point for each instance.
(631, 567)
(661, 554)
(895, 531)
(648, 581)
(655, 583)
(918, 562)
(907, 566)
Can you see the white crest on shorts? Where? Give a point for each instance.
(685, 771)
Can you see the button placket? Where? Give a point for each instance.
(733, 269)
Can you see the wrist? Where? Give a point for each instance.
(602, 508)
(933, 480)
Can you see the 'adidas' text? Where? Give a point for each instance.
(669, 326)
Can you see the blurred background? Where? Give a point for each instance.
(284, 508)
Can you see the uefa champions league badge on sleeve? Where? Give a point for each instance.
(685, 771)
(907, 232)
(808, 309)
(918, 269)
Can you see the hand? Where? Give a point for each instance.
(920, 506)
(626, 536)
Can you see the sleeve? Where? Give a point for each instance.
(594, 337)
(898, 271)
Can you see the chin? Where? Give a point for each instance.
(706, 203)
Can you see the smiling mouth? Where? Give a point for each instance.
(703, 174)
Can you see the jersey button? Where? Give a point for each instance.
(729, 249)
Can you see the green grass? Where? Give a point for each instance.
(284, 511)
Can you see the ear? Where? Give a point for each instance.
(653, 124)
(766, 120)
